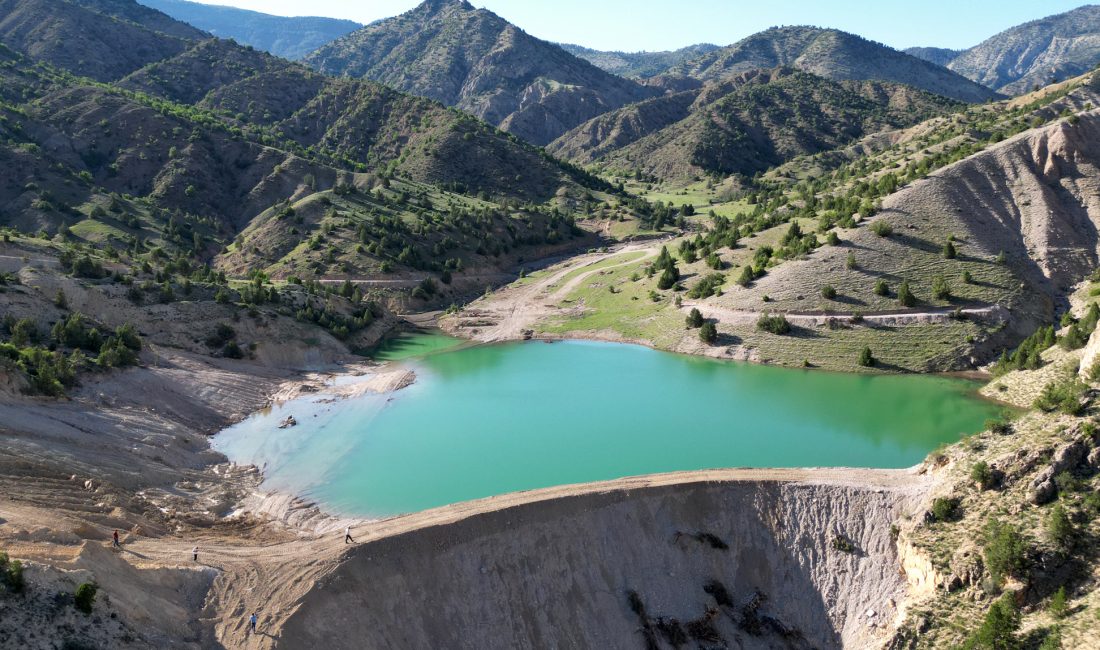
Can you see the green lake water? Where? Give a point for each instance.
(487, 420)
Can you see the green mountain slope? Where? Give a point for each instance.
(291, 38)
(228, 156)
(472, 59)
(77, 37)
(744, 125)
(832, 54)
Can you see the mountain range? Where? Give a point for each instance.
(1029, 55)
(476, 61)
(745, 124)
(195, 142)
(832, 54)
(641, 65)
(289, 37)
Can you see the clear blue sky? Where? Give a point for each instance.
(633, 25)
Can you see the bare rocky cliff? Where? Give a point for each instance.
(752, 564)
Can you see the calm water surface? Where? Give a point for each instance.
(493, 419)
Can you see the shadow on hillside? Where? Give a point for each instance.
(917, 243)
(849, 300)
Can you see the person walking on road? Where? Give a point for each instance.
(195, 554)
(347, 536)
(115, 542)
(252, 622)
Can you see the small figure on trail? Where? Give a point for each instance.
(252, 622)
(115, 542)
(195, 554)
(347, 536)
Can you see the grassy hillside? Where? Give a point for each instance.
(76, 37)
(225, 156)
(744, 125)
(931, 248)
(473, 59)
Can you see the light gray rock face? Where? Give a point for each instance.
(1035, 53)
(559, 573)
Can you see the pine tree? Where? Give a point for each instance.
(905, 296)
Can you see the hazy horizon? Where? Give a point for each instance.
(630, 26)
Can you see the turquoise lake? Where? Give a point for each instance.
(486, 420)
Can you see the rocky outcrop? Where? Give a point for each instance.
(1035, 53)
(758, 564)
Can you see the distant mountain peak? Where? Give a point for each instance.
(833, 54)
(436, 6)
(479, 62)
(1035, 53)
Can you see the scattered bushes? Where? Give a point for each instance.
(866, 358)
(11, 574)
(828, 292)
(881, 288)
(998, 630)
(843, 544)
(777, 324)
(85, 597)
(1057, 607)
(1065, 395)
(945, 509)
(694, 318)
(982, 475)
(940, 289)
(882, 228)
(709, 286)
(708, 333)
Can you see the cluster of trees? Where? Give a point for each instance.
(710, 285)
(341, 326)
(1028, 355)
(11, 574)
(51, 363)
(777, 324)
(665, 265)
(708, 331)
